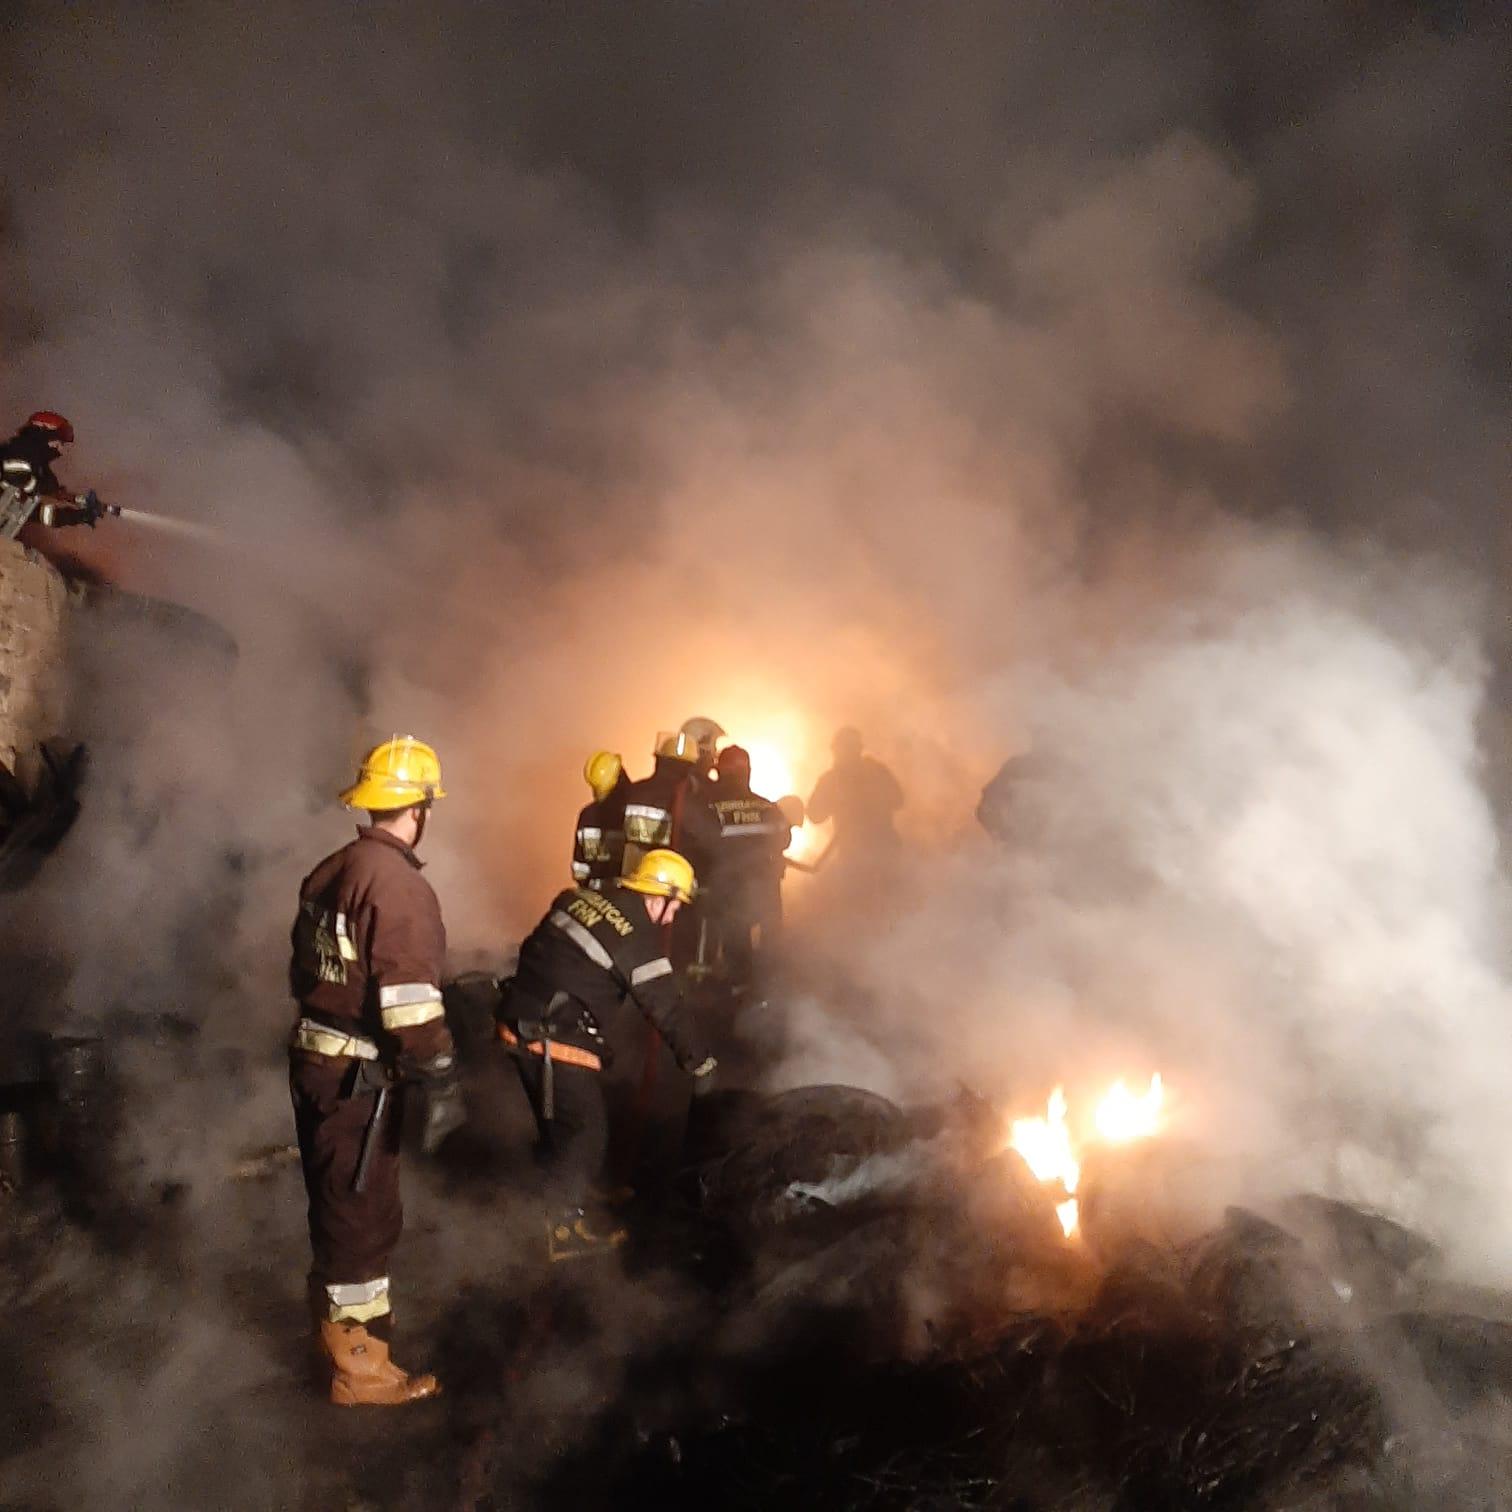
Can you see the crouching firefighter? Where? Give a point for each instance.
(366, 974)
(592, 950)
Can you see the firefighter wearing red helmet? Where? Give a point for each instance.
(28, 485)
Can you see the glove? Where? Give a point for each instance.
(93, 509)
(445, 1111)
(703, 1076)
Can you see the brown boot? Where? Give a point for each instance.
(362, 1375)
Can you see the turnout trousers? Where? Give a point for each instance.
(574, 1131)
(352, 1234)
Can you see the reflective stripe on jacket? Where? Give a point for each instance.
(598, 948)
(369, 946)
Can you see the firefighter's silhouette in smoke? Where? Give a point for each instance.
(861, 796)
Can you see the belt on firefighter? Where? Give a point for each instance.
(320, 1040)
(567, 1055)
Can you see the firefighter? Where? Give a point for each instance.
(598, 851)
(368, 946)
(671, 810)
(747, 886)
(705, 733)
(31, 487)
(861, 796)
(593, 950)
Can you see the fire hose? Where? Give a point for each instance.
(17, 507)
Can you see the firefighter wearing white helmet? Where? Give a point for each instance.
(705, 733)
(368, 949)
(590, 952)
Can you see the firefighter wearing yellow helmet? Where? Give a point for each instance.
(598, 848)
(368, 950)
(592, 951)
(671, 808)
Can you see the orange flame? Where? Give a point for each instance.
(1047, 1147)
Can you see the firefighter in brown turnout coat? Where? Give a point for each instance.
(368, 947)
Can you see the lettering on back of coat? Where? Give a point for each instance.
(590, 908)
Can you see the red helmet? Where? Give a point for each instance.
(56, 425)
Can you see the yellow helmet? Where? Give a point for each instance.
(679, 746)
(662, 874)
(601, 771)
(394, 775)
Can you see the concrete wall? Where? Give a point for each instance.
(34, 609)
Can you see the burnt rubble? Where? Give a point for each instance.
(838, 1304)
(930, 1343)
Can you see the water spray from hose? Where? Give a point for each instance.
(188, 529)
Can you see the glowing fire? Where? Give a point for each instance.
(773, 776)
(1121, 1116)
(1049, 1149)
(1045, 1144)
(771, 772)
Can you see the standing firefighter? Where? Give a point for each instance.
(861, 796)
(598, 850)
(747, 891)
(591, 951)
(671, 810)
(366, 972)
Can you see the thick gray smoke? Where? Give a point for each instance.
(988, 377)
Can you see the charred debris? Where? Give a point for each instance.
(877, 1310)
(881, 1312)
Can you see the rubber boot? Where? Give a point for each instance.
(362, 1375)
(571, 1234)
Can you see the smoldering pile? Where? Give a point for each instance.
(894, 1336)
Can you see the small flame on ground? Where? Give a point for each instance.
(1046, 1146)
